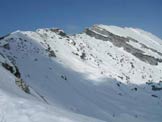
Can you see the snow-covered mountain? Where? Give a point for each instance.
(104, 74)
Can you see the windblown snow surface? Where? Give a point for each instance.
(104, 74)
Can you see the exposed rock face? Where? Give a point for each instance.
(4, 36)
(13, 69)
(52, 53)
(144, 46)
(146, 58)
(6, 46)
(19, 82)
(119, 41)
(155, 88)
(83, 56)
(59, 32)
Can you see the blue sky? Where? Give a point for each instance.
(75, 15)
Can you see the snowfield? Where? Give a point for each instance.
(104, 74)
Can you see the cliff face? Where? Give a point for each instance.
(119, 41)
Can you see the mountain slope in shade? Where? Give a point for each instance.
(105, 73)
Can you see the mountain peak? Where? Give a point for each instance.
(92, 76)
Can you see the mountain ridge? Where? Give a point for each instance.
(104, 73)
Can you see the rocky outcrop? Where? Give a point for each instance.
(119, 41)
(59, 32)
(155, 88)
(153, 50)
(21, 84)
(2, 37)
(19, 81)
(51, 53)
(146, 58)
(6, 46)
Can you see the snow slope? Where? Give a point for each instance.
(16, 106)
(106, 73)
